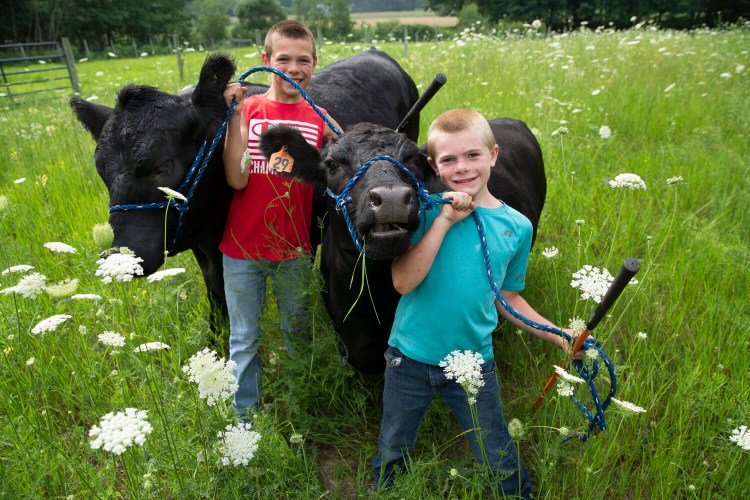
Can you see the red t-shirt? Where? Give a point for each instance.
(270, 218)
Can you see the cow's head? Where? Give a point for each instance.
(150, 140)
(385, 205)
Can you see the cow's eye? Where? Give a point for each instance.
(333, 165)
(164, 168)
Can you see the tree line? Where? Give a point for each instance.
(102, 23)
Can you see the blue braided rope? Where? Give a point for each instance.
(427, 202)
(193, 177)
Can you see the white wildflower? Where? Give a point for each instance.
(172, 194)
(725, 75)
(121, 266)
(577, 325)
(741, 436)
(596, 92)
(30, 361)
(62, 288)
(28, 287)
(669, 87)
(605, 132)
(20, 180)
(465, 369)
(550, 252)
(568, 377)
(116, 432)
(628, 406)
(740, 68)
(629, 181)
(20, 268)
(592, 281)
(103, 234)
(296, 438)
(641, 335)
(580, 222)
(159, 275)
(239, 444)
(151, 346)
(213, 376)
(536, 24)
(86, 296)
(675, 180)
(516, 429)
(592, 354)
(56, 246)
(565, 389)
(564, 431)
(113, 339)
(560, 130)
(50, 324)
(3, 203)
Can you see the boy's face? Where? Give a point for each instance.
(294, 57)
(464, 162)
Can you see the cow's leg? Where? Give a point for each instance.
(218, 317)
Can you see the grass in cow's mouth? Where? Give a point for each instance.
(664, 105)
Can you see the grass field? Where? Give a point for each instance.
(670, 107)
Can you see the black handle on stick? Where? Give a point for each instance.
(626, 273)
(436, 84)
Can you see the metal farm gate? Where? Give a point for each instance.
(33, 68)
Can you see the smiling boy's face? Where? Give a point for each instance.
(295, 58)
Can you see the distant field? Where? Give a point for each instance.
(404, 17)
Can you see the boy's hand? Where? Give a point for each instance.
(234, 92)
(461, 206)
(568, 346)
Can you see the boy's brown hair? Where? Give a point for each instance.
(288, 29)
(459, 120)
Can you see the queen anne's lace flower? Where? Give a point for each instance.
(118, 431)
(120, 266)
(151, 346)
(50, 324)
(605, 132)
(113, 339)
(213, 376)
(239, 444)
(628, 181)
(675, 180)
(577, 325)
(172, 194)
(465, 369)
(565, 389)
(159, 275)
(28, 287)
(550, 252)
(86, 296)
(628, 406)
(516, 429)
(20, 268)
(568, 377)
(62, 288)
(741, 436)
(56, 246)
(592, 281)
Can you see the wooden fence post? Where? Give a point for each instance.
(71, 63)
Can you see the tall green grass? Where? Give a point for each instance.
(676, 106)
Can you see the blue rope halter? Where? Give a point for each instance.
(197, 169)
(427, 202)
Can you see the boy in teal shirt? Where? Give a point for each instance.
(447, 304)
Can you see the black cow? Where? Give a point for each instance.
(150, 139)
(384, 208)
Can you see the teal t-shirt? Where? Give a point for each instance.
(454, 308)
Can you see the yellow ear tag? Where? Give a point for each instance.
(281, 161)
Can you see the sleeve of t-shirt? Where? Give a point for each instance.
(515, 274)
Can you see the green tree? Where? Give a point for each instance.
(331, 17)
(210, 20)
(257, 15)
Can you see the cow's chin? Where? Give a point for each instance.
(386, 243)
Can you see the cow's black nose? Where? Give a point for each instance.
(391, 203)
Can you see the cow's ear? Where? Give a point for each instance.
(92, 116)
(208, 95)
(290, 142)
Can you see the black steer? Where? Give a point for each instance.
(384, 208)
(150, 139)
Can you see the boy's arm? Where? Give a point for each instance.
(235, 141)
(521, 306)
(409, 269)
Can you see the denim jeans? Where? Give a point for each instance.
(245, 288)
(410, 387)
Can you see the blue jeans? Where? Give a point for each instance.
(245, 288)
(410, 387)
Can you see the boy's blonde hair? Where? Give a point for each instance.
(459, 120)
(288, 29)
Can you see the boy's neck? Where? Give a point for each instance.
(274, 96)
